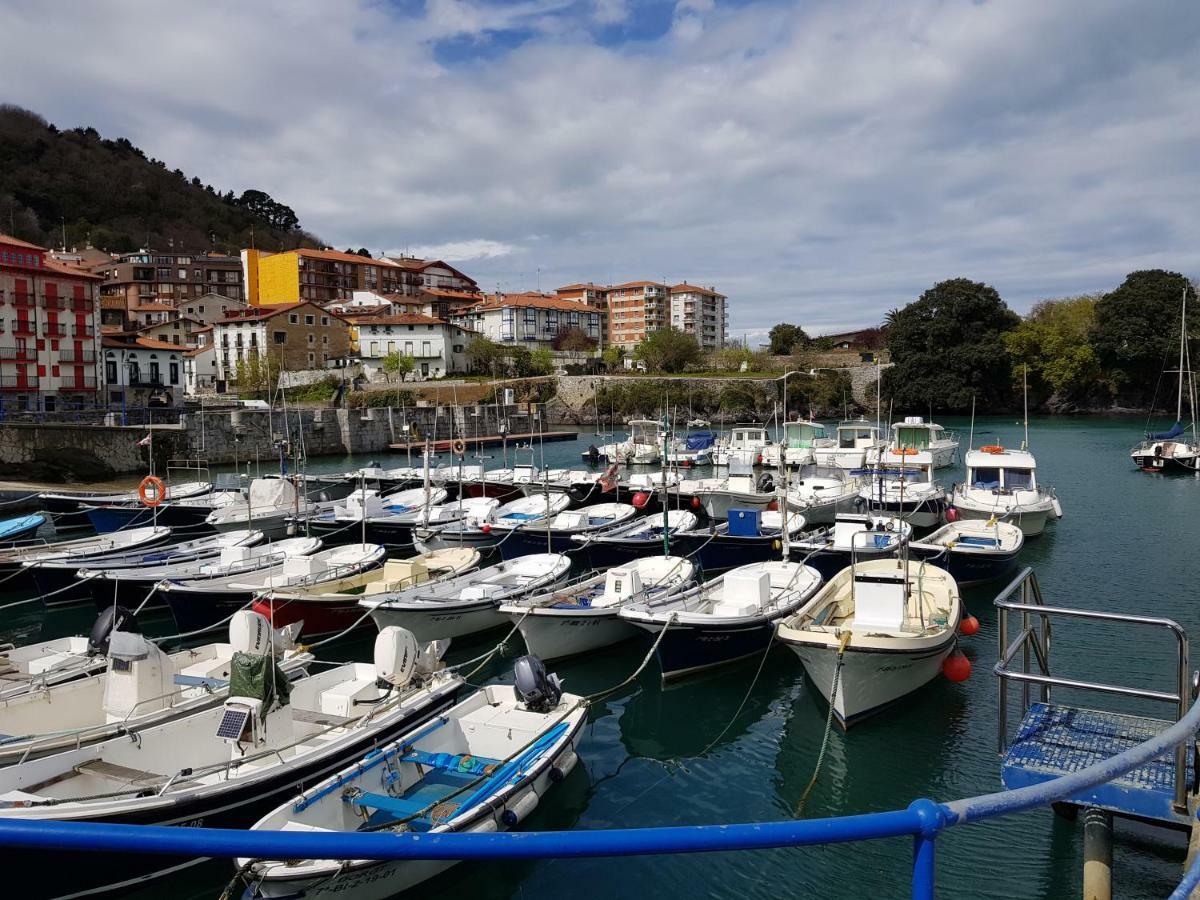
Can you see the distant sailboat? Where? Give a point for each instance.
(1174, 449)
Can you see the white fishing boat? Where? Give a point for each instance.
(740, 489)
(557, 534)
(82, 549)
(46, 663)
(332, 607)
(852, 536)
(726, 619)
(972, 550)
(643, 447)
(798, 446)
(633, 540)
(267, 507)
(903, 484)
(1002, 484)
(524, 512)
(140, 686)
(468, 603)
(69, 509)
(745, 446)
(694, 449)
(584, 615)
(852, 441)
(373, 504)
(914, 433)
(228, 765)
(881, 628)
(822, 492)
(481, 767)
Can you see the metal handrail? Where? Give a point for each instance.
(1038, 640)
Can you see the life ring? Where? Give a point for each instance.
(459, 446)
(160, 491)
(905, 451)
(992, 448)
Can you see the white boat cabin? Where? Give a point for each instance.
(915, 433)
(646, 431)
(803, 435)
(856, 436)
(997, 469)
(748, 437)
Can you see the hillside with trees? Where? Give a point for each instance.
(108, 194)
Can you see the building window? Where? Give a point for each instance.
(374, 348)
(408, 348)
(110, 370)
(312, 359)
(174, 373)
(293, 319)
(426, 348)
(280, 337)
(324, 339)
(310, 320)
(312, 338)
(324, 320)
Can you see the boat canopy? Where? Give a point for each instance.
(701, 440)
(1176, 430)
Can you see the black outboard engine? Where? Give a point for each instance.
(766, 483)
(538, 690)
(114, 618)
(593, 453)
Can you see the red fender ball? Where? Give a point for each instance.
(957, 667)
(695, 503)
(486, 528)
(640, 499)
(969, 626)
(951, 514)
(773, 506)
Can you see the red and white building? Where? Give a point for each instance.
(49, 330)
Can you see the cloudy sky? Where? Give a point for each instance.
(819, 162)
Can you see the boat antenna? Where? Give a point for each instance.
(666, 504)
(971, 434)
(1025, 391)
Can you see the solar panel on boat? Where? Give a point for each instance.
(233, 723)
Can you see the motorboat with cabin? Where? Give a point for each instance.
(973, 551)
(820, 493)
(728, 618)
(1002, 484)
(914, 433)
(903, 484)
(333, 607)
(853, 440)
(798, 446)
(852, 537)
(877, 631)
(264, 740)
(470, 603)
(643, 447)
(484, 766)
(584, 616)
(745, 446)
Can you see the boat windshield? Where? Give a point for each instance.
(912, 436)
(1018, 479)
(643, 432)
(848, 438)
(831, 473)
(986, 479)
(802, 434)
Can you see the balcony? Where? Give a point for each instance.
(55, 302)
(25, 327)
(18, 382)
(77, 383)
(146, 381)
(22, 300)
(84, 331)
(71, 355)
(55, 329)
(28, 354)
(81, 305)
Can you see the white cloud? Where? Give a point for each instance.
(819, 163)
(465, 251)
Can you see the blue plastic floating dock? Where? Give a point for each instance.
(1057, 740)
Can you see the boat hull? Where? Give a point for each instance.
(870, 680)
(1150, 462)
(320, 617)
(553, 634)
(107, 519)
(113, 873)
(195, 609)
(969, 567)
(687, 649)
(829, 561)
(723, 552)
(1032, 522)
(124, 591)
(922, 514)
(448, 621)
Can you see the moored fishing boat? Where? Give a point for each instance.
(745, 446)
(914, 433)
(1002, 484)
(390, 517)
(726, 619)
(198, 603)
(641, 537)
(694, 449)
(46, 663)
(20, 530)
(556, 535)
(740, 489)
(852, 536)
(643, 447)
(14, 559)
(188, 514)
(267, 507)
(481, 767)
(820, 493)
(333, 607)
(69, 509)
(524, 512)
(746, 536)
(853, 440)
(798, 445)
(903, 485)
(881, 628)
(972, 551)
(225, 766)
(584, 616)
(470, 603)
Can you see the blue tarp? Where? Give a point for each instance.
(701, 440)
(1176, 430)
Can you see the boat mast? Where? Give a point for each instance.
(971, 433)
(1182, 342)
(666, 504)
(1025, 391)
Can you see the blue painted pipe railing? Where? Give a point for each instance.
(923, 820)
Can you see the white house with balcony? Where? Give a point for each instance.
(438, 348)
(138, 369)
(531, 320)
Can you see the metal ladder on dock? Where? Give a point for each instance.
(1055, 739)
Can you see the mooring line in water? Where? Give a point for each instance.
(837, 673)
(41, 598)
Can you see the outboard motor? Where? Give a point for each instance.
(593, 453)
(766, 483)
(538, 690)
(114, 618)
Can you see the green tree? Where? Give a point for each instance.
(668, 350)
(573, 340)
(1137, 329)
(541, 361)
(257, 375)
(1054, 341)
(785, 338)
(483, 355)
(948, 346)
(397, 363)
(612, 356)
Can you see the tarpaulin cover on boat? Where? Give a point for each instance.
(701, 440)
(257, 677)
(1176, 430)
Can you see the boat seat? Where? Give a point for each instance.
(212, 684)
(452, 762)
(313, 717)
(123, 774)
(429, 791)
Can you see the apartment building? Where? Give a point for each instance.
(438, 348)
(200, 370)
(434, 273)
(700, 312)
(295, 337)
(635, 309)
(171, 277)
(208, 308)
(589, 294)
(49, 341)
(530, 319)
(138, 370)
(321, 276)
(444, 303)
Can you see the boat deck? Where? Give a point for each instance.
(1056, 740)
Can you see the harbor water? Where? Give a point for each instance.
(740, 743)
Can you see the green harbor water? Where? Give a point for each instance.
(722, 748)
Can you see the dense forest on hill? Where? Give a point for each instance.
(110, 195)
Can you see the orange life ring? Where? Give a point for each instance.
(905, 451)
(459, 447)
(160, 491)
(992, 448)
